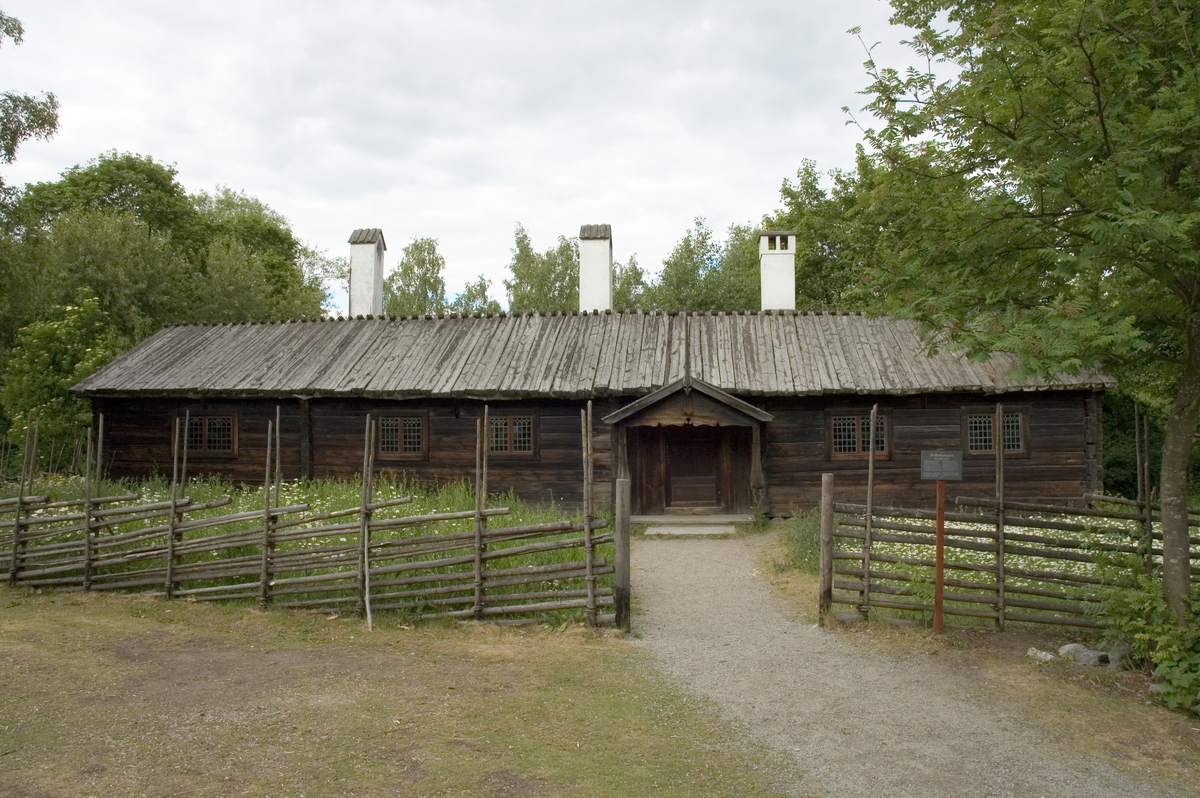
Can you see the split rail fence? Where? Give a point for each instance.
(1004, 560)
(353, 559)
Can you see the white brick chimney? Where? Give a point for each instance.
(595, 267)
(777, 267)
(366, 272)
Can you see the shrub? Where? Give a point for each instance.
(1133, 603)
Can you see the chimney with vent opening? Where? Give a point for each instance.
(366, 272)
(777, 267)
(595, 267)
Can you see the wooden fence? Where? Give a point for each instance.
(354, 559)
(1005, 560)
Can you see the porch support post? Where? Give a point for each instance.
(758, 482)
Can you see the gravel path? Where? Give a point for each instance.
(858, 723)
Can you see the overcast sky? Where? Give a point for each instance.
(457, 120)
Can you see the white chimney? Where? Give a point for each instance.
(777, 266)
(595, 267)
(366, 272)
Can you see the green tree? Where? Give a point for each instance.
(22, 116)
(139, 281)
(49, 357)
(546, 281)
(1045, 199)
(629, 285)
(683, 283)
(474, 298)
(830, 241)
(416, 287)
(135, 184)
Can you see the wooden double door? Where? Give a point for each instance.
(690, 469)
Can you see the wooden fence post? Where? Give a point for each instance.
(865, 608)
(999, 444)
(622, 593)
(364, 531)
(825, 593)
(87, 515)
(100, 453)
(589, 549)
(482, 431)
(264, 574)
(22, 488)
(187, 424)
(169, 582)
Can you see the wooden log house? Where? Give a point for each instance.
(706, 413)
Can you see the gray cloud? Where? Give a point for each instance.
(457, 120)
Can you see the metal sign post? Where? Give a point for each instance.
(941, 466)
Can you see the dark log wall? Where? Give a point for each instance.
(1062, 461)
(322, 438)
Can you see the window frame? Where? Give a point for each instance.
(863, 416)
(206, 454)
(534, 428)
(997, 433)
(420, 415)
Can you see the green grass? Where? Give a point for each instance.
(122, 695)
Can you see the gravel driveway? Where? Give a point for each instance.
(857, 722)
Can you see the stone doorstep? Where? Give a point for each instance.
(691, 520)
(689, 531)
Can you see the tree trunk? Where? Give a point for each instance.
(1181, 431)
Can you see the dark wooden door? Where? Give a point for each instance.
(693, 472)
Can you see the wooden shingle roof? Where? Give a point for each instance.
(772, 353)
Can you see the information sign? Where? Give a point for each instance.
(941, 464)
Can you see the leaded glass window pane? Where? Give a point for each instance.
(220, 434)
(412, 436)
(389, 435)
(195, 434)
(498, 438)
(522, 433)
(979, 433)
(845, 434)
(1012, 432)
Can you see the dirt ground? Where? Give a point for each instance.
(898, 712)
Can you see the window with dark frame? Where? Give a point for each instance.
(850, 435)
(982, 433)
(210, 434)
(402, 437)
(510, 434)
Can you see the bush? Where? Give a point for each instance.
(1140, 613)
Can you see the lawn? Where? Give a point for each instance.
(128, 695)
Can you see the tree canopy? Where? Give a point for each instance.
(546, 281)
(22, 116)
(1045, 199)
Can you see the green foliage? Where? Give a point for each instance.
(134, 184)
(1044, 200)
(139, 279)
(474, 298)
(22, 116)
(416, 287)
(546, 281)
(1132, 602)
(629, 285)
(830, 239)
(688, 278)
(50, 356)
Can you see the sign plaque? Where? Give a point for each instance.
(941, 465)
